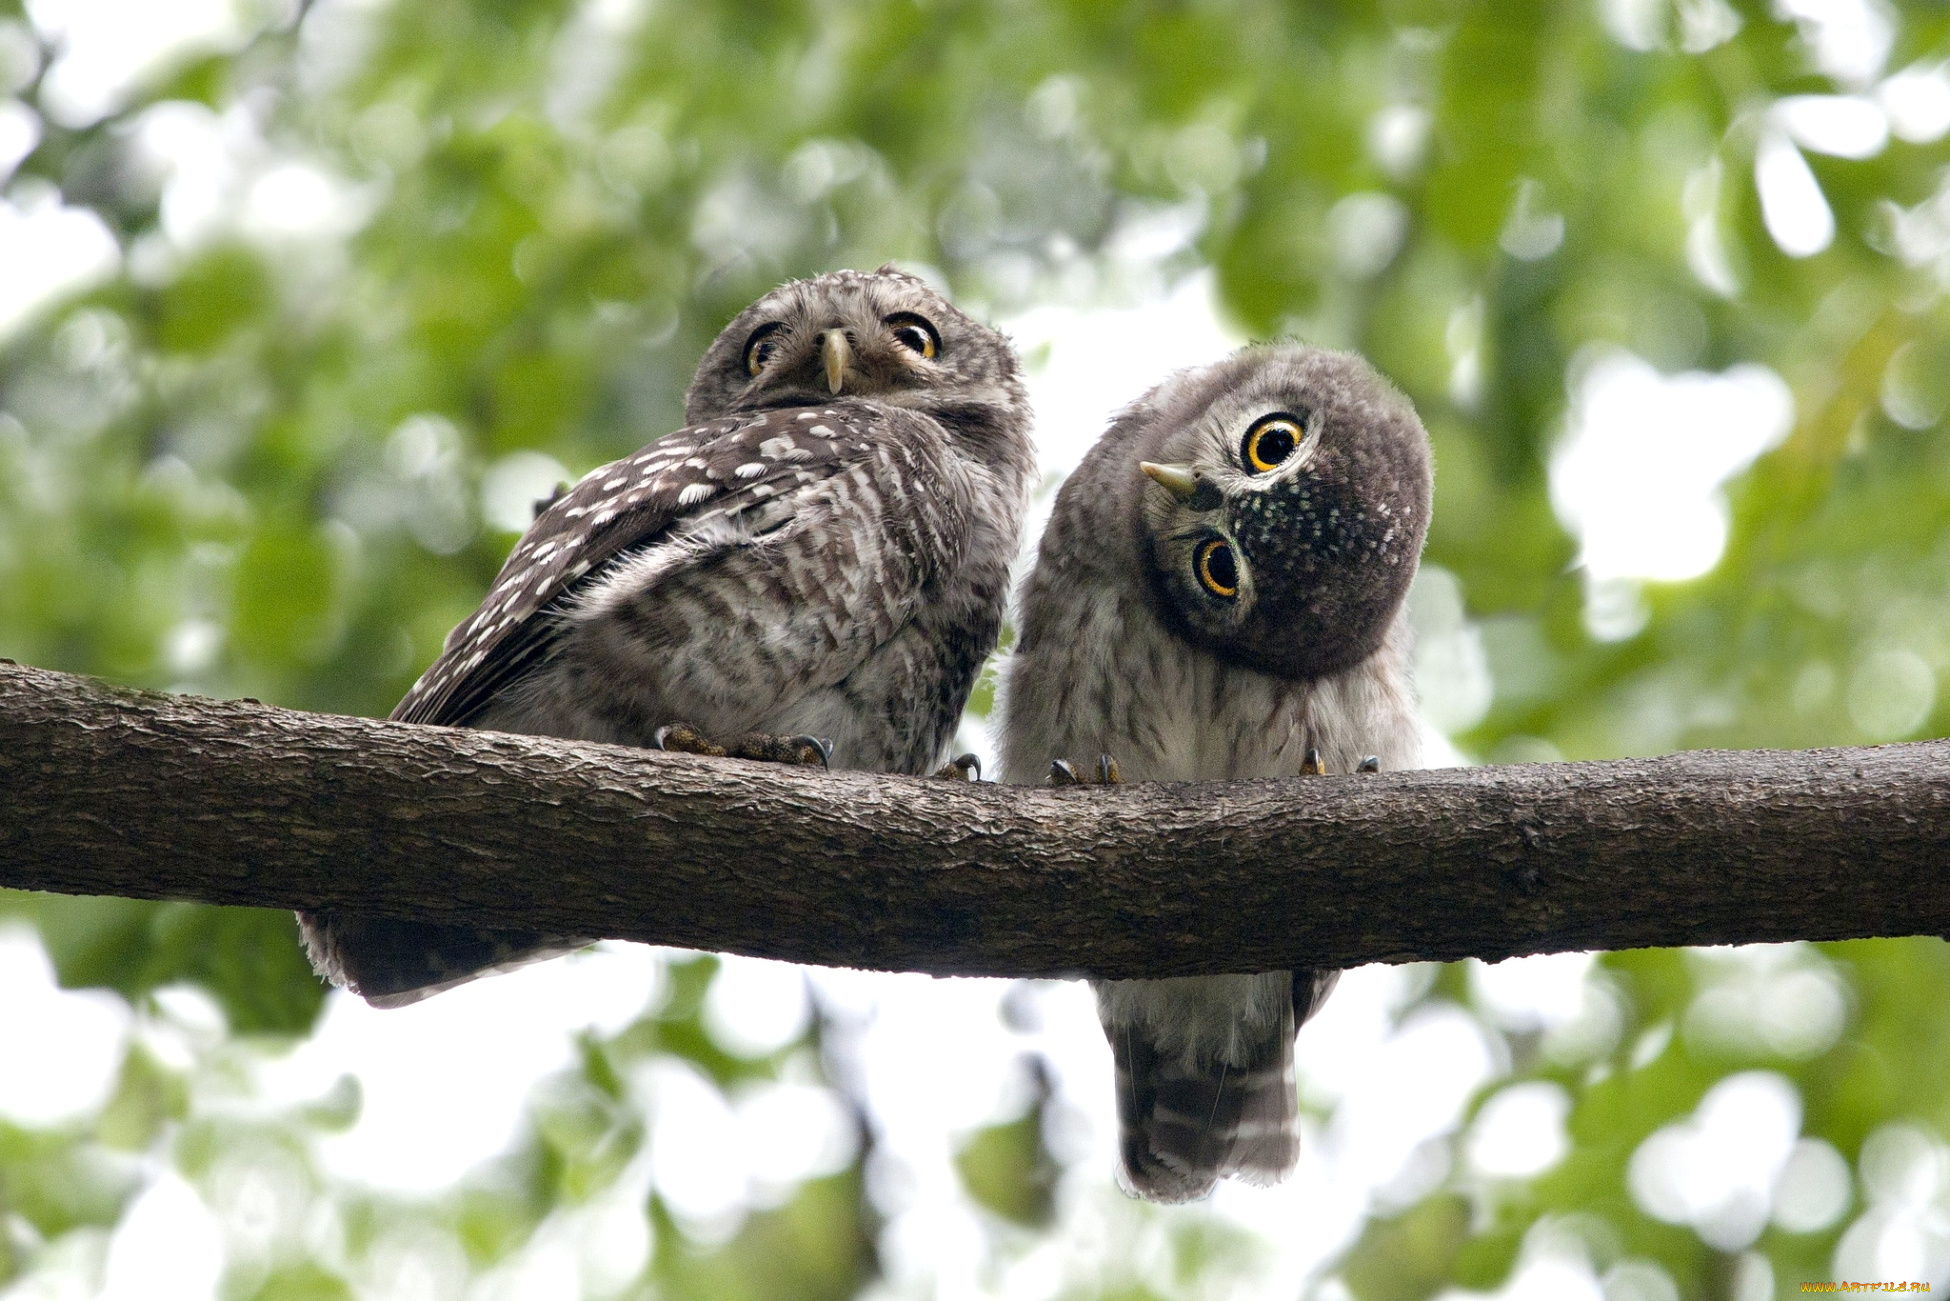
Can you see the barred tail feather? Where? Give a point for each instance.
(396, 963)
(1185, 1123)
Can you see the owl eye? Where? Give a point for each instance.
(914, 333)
(1217, 568)
(762, 346)
(1271, 441)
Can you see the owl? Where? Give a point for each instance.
(1219, 595)
(813, 569)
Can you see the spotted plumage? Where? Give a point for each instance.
(1203, 615)
(823, 551)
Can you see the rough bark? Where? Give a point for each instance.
(108, 791)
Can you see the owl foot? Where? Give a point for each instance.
(963, 767)
(683, 738)
(1064, 773)
(1313, 766)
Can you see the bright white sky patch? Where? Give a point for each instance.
(694, 1151)
(1531, 993)
(20, 131)
(445, 1081)
(513, 485)
(107, 46)
(1848, 40)
(1754, 999)
(1086, 363)
(167, 1247)
(1552, 1278)
(1792, 206)
(939, 1058)
(73, 1039)
(1716, 1169)
(1905, 1172)
(48, 250)
(714, 1157)
(1519, 1132)
(1813, 1189)
(1411, 1087)
(1452, 670)
(1366, 230)
(1638, 474)
(199, 157)
(754, 1007)
(1917, 100)
(294, 200)
(1846, 126)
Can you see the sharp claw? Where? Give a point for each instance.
(1370, 764)
(1062, 774)
(819, 745)
(1311, 766)
(661, 733)
(1108, 772)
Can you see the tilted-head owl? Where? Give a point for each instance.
(1219, 595)
(822, 552)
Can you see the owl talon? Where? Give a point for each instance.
(1370, 764)
(1311, 766)
(1064, 773)
(682, 738)
(963, 767)
(807, 748)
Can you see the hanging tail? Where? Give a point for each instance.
(1205, 1078)
(395, 963)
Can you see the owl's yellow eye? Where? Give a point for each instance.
(914, 333)
(1271, 441)
(762, 347)
(1217, 568)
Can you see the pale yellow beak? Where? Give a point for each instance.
(1178, 480)
(833, 348)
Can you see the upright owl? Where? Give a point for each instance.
(814, 568)
(1219, 595)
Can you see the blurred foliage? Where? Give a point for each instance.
(386, 271)
(247, 957)
(1007, 1168)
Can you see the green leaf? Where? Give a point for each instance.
(248, 959)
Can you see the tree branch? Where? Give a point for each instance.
(109, 791)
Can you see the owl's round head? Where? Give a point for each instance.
(883, 335)
(1287, 499)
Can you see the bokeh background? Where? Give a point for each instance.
(302, 305)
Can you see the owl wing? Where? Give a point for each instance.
(759, 502)
(739, 480)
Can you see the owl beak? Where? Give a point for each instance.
(1181, 481)
(836, 353)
